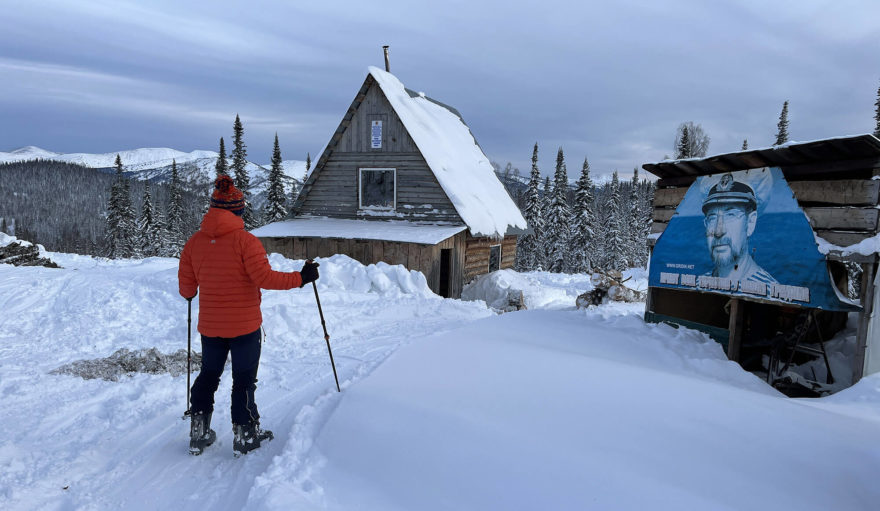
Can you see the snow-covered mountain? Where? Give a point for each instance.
(154, 164)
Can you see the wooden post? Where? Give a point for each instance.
(735, 329)
(864, 318)
(649, 301)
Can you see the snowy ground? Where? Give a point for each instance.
(444, 405)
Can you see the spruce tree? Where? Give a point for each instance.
(527, 246)
(637, 245)
(239, 167)
(115, 227)
(615, 244)
(745, 146)
(150, 227)
(121, 229)
(690, 141)
(543, 246)
(558, 219)
(583, 220)
(221, 168)
(877, 114)
(296, 192)
(276, 208)
(782, 126)
(129, 220)
(174, 237)
(684, 145)
(647, 219)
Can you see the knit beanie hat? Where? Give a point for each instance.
(227, 196)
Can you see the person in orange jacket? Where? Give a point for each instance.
(228, 266)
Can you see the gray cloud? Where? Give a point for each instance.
(609, 82)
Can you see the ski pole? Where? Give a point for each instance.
(326, 335)
(189, 311)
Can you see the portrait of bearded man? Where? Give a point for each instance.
(730, 216)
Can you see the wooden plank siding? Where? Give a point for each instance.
(849, 192)
(333, 189)
(419, 196)
(477, 255)
(420, 257)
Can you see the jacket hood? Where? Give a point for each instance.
(219, 222)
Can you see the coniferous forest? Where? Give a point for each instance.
(582, 227)
(63, 206)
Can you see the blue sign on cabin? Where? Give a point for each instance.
(743, 234)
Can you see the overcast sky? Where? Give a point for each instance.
(609, 82)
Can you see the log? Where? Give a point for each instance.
(665, 197)
(867, 301)
(851, 219)
(658, 227)
(851, 192)
(663, 214)
(735, 327)
(843, 238)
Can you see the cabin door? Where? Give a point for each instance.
(445, 272)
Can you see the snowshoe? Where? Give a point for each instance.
(248, 437)
(200, 433)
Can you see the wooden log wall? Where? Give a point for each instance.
(841, 211)
(477, 255)
(414, 256)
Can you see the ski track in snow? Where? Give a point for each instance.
(122, 443)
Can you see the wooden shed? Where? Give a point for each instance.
(835, 183)
(403, 180)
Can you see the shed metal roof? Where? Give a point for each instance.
(857, 147)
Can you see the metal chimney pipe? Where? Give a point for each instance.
(387, 64)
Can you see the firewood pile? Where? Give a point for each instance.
(608, 286)
(24, 254)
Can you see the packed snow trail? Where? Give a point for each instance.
(114, 445)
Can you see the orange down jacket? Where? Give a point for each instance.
(227, 266)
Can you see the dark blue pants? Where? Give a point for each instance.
(245, 361)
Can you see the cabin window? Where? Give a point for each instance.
(494, 258)
(378, 189)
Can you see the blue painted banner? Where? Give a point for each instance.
(743, 234)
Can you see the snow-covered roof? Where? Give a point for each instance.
(790, 154)
(390, 230)
(458, 162)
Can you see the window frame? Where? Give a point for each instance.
(489, 266)
(360, 189)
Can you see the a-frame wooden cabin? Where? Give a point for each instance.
(403, 181)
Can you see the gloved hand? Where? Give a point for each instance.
(309, 272)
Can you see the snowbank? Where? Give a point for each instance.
(94, 444)
(444, 404)
(560, 410)
(6, 239)
(341, 273)
(541, 290)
